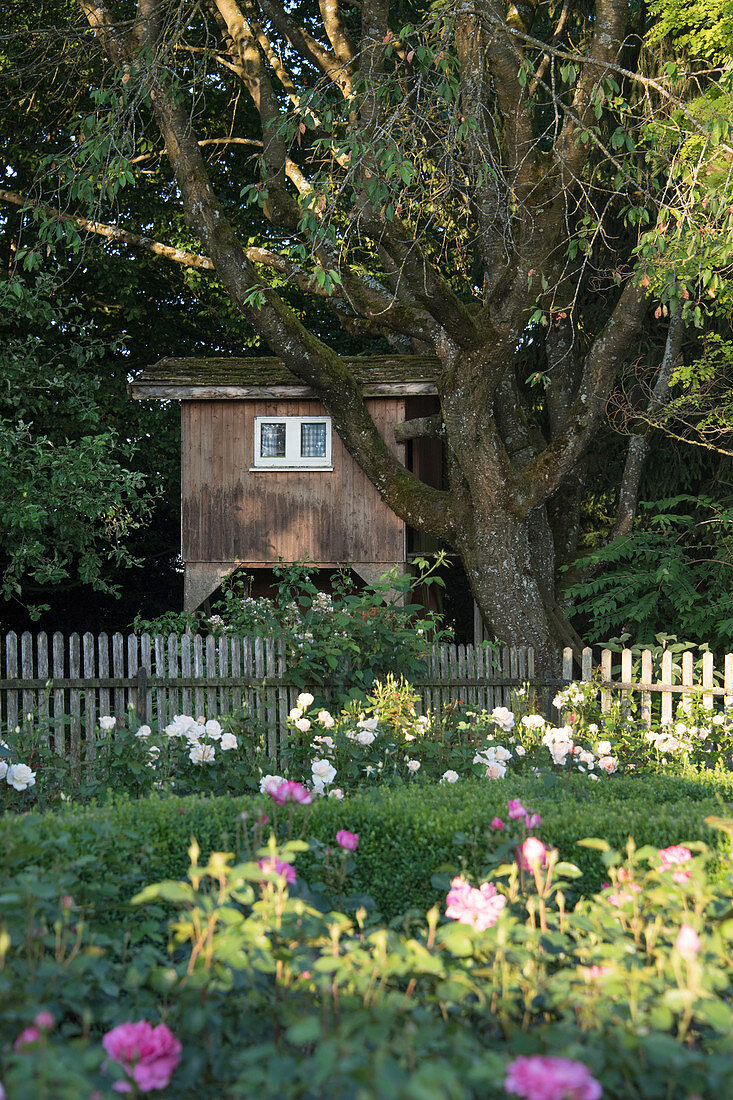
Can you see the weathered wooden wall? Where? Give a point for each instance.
(233, 514)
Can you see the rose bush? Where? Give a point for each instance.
(501, 990)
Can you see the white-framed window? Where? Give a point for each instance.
(292, 443)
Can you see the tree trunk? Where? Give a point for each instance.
(504, 573)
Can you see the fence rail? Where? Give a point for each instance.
(69, 682)
(663, 676)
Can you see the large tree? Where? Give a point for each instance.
(499, 186)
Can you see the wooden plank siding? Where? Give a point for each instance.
(231, 513)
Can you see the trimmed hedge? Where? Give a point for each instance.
(107, 852)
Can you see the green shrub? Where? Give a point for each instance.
(406, 833)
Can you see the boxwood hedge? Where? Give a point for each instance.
(106, 852)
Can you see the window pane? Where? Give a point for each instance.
(313, 440)
(272, 440)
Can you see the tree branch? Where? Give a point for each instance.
(638, 447)
(604, 360)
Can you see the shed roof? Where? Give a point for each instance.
(216, 379)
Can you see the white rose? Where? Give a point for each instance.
(228, 741)
(503, 717)
(609, 764)
(143, 733)
(592, 728)
(520, 750)
(326, 719)
(180, 725)
(368, 723)
(423, 721)
(501, 754)
(303, 725)
(336, 793)
(107, 722)
(213, 729)
(596, 777)
(20, 777)
(718, 719)
(449, 777)
(3, 768)
(304, 700)
(496, 771)
(533, 721)
(604, 747)
(365, 737)
(413, 765)
(295, 714)
(326, 742)
(202, 754)
(270, 783)
(323, 772)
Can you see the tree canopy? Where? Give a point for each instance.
(529, 193)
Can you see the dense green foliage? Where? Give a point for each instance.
(276, 990)
(406, 835)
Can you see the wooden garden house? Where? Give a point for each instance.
(265, 477)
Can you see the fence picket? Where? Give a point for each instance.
(198, 672)
(236, 665)
(59, 710)
(134, 705)
(186, 673)
(11, 673)
(646, 678)
(118, 671)
(606, 666)
(728, 681)
(707, 678)
(105, 706)
(174, 700)
(687, 676)
(26, 671)
(667, 681)
(44, 714)
(271, 697)
(74, 698)
(146, 662)
(225, 693)
(211, 693)
(627, 658)
(90, 701)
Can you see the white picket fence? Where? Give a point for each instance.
(67, 682)
(668, 677)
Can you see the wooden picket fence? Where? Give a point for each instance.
(659, 679)
(66, 683)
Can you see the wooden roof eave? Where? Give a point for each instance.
(150, 391)
(268, 379)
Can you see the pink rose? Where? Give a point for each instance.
(673, 856)
(497, 823)
(149, 1055)
(44, 1021)
(348, 841)
(515, 809)
(532, 821)
(278, 867)
(687, 942)
(289, 791)
(533, 853)
(27, 1035)
(478, 907)
(540, 1078)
